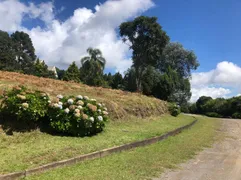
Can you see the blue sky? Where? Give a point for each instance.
(62, 30)
(210, 28)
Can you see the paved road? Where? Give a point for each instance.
(221, 162)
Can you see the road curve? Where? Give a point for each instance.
(221, 162)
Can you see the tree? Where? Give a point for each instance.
(41, 70)
(25, 52)
(91, 72)
(96, 56)
(130, 80)
(179, 59)
(72, 73)
(147, 41)
(201, 102)
(60, 73)
(7, 53)
(117, 81)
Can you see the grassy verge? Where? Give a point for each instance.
(145, 162)
(25, 150)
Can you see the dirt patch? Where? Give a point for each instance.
(221, 162)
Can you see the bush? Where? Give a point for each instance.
(20, 104)
(236, 115)
(174, 109)
(78, 116)
(213, 114)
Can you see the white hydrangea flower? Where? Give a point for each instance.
(60, 103)
(105, 109)
(79, 97)
(93, 100)
(86, 98)
(49, 102)
(60, 96)
(100, 118)
(70, 101)
(80, 107)
(56, 105)
(25, 105)
(100, 105)
(66, 110)
(92, 119)
(105, 113)
(60, 106)
(77, 111)
(99, 110)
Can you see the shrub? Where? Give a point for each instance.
(213, 114)
(77, 116)
(236, 115)
(20, 104)
(174, 109)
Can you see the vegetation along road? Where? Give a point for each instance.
(221, 162)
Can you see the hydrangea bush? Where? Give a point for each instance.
(78, 116)
(24, 105)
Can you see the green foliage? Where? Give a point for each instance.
(72, 73)
(7, 53)
(174, 109)
(41, 70)
(117, 81)
(24, 51)
(179, 59)
(23, 105)
(147, 42)
(78, 116)
(219, 107)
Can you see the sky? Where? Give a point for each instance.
(62, 30)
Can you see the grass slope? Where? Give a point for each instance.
(120, 104)
(144, 162)
(31, 149)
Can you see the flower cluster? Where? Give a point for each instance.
(79, 116)
(24, 105)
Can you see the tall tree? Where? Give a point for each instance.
(7, 53)
(25, 52)
(72, 73)
(147, 41)
(96, 56)
(91, 72)
(179, 59)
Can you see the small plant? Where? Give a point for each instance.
(23, 105)
(77, 116)
(213, 114)
(174, 109)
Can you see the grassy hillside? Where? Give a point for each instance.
(121, 104)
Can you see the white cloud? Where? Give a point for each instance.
(226, 74)
(60, 43)
(209, 91)
(212, 83)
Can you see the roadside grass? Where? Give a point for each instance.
(145, 162)
(31, 149)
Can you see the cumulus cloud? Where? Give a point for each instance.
(60, 43)
(209, 91)
(212, 83)
(226, 74)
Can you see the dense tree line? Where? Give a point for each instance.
(18, 54)
(219, 107)
(160, 68)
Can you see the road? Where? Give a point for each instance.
(220, 162)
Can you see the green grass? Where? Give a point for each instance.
(145, 162)
(26, 150)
